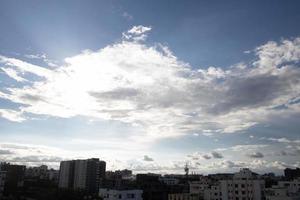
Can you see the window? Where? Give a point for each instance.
(131, 196)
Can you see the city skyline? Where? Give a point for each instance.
(212, 84)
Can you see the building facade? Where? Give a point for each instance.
(284, 190)
(243, 186)
(82, 174)
(2, 182)
(14, 177)
(111, 194)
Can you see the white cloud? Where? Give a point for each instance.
(23, 66)
(138, 30)
(137, 33)
(283, 140)
(13, 74)
(11, 115)
(149, 88)
(43, 57)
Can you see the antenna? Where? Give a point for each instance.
(186, 169)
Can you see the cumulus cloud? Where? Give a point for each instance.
(5, 152)
(149, 88)
(147, 158)
(137, 33)
(216, 154)
(206, 156)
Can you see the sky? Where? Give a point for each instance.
(151, 85)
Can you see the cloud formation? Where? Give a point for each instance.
(217, 155)
(256, 155)
(149, 88)
(5, 152)
(147, 158)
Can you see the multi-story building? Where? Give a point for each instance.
(66, 174)
(112, 194)
(82, 174)
(243, 186)
(53, 175)
(14, 177)
(285, 190)
(2, 182)
(197, 188)
(280, 193)
(292, 186)
(213, 193)
(179, 196)
(37, 172)
(169, 180)
(153, 188)
(291, 174)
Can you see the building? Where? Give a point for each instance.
(243, 186)
(82, 174)
(112, 194)
(2, 182)
(280, 193)
(182, 196)
(213, 193)
(291, 186)
(284, 190)
(169, 180)
(197, 188)
(53, 175)
(37, 172)
(179, 196)
(152, 187)
(14, 177)
(291, 174)
(125, 173)
(66, 174)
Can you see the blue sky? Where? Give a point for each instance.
(215, 83)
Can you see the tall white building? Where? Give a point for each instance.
(110, 194)
(197, 188)
(244, 186)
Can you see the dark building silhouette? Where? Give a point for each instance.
(14, 177)
(291, 173)
(84, 175)
(153, 188)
